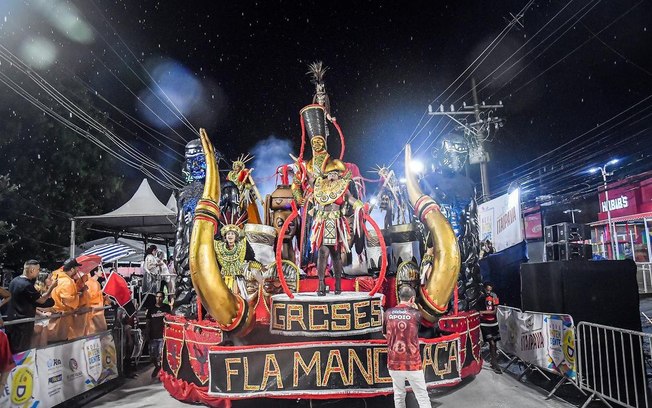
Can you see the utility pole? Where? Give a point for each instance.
(477, 132)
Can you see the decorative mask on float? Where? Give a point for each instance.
(272, 284)
(194, 166)
(254, 269)
(279, 219)
(407, 273)
(452, 154)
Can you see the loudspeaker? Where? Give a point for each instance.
(551, 234)
(572, 251)
(552, 252)
(569, 232)
(604, 292)
(568, 251)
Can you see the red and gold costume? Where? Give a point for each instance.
(330, 226)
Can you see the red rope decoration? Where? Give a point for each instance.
(303, 137)
(456, 298)
(279, 249)
(339, 130)
(383, 257)
(200, 315)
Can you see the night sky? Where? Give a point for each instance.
(238, 69)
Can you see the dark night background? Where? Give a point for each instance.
(238, 69)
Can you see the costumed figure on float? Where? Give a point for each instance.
(265, 331)
(456, 194)
(233, 254)
(194, 173)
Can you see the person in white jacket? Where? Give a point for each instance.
(152, 269)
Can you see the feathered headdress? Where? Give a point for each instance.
(317, 70)
(242, 160)
(232, 224)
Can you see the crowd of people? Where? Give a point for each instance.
(60, 306)
(42, 308)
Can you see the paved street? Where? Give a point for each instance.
(487, 390)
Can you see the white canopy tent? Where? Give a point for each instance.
(143, 216)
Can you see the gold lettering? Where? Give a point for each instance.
(360, 315)
(311, 316)
(376, 313)
(446, 369)
(247, 386)
(427, 358)
(332, 356)
(315, 362)
(270, 359)
(295, 317)
(377, 377)
(229, 371)
(336, 316)
(454, 357)
(367, 373)
(278, 321)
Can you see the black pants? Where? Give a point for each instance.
(20, 336)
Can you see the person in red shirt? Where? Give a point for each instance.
(401, 330)
(6, 359)
(489, 323)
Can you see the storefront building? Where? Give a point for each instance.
(627, 207)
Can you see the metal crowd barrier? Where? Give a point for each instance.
(53, 316)
(611, 364)
(644, 277)
(529, 366)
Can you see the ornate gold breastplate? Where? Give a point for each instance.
(231, 260)
(327, 192)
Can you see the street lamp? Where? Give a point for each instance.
(612, 230)
(572, 213)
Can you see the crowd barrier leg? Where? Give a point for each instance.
(512, 359)
(595, 396)
(563, 381)
(531, 367)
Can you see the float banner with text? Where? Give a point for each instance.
(543, 339)
(349, 314)
(500, 221)
(329, 368)
(48, 376)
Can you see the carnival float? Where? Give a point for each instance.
(290, 304)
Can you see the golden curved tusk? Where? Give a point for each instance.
(225, 307)
(437, 290)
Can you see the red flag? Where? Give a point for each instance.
(116, 287)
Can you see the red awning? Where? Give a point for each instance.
(624, 218)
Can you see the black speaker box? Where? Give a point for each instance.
(572, 251)
(550, 234)
(604, 292)
(569, 232)
(568, 251)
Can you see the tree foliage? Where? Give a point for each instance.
(57, 174)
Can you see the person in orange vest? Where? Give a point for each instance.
(66, 300)
(95, 322)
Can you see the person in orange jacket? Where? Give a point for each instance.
(66, 300)
(95, 322)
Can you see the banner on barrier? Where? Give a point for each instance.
(543, 339)
(500, 221)
(325, 368)
(21, 389)
(52, 375)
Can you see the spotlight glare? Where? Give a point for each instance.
(417, 166)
